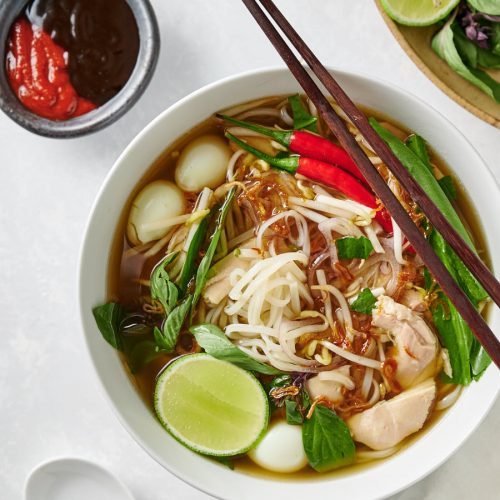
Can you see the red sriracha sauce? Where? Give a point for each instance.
(37, 69)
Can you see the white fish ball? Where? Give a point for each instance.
(281, 449)
(159, 200)
(202, 163)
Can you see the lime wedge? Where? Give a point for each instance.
(211, 406)
(418, 12)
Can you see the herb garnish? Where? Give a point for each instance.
(365, 302)
(214, 341)
(354, 248)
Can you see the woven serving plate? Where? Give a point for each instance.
(416, 42)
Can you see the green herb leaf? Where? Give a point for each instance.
(428, 279)
(108, 318)
(173, 324)
(467, 50)
(418, 146)
(327, 441)
(364, 302)
(206, 262)
(354, 248)
(142, 354)
(456, 336)
(162, 289)
(486, 6)
(479, 359)
(212, 339)
(189, 268)
(443, 44)
(281, 381)
(448, 187)
(302, 119)
(495, 38)
(227, 461)
(293, 416)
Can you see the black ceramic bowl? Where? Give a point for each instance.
(107, 113)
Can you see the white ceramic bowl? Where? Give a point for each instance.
(388, 476)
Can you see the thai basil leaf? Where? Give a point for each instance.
(457, 268)
(293, 415)
(365, 302)
(327, 441)
(212, 339)
(418, 146)
(281, 381)
(302, 119)
(142, 354)
(227, 461)
(472, 54)
(189, 268)
(428, 279)
(467, 49)
(354, 248)
(491, 7)
(109, 318)
(495, 38)
(479, 359)
(162, 289)
(173, 324)
(490, 82)
(448, 187)
(444, 46)
(456, 337)
(206, 262)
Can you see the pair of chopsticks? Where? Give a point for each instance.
(463, 305)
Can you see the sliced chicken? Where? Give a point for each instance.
(413, 299)
(322, 385)
(389, 422)
(219, 285)
(415, 345)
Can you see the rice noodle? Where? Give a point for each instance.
(165, 223)
(346, 313)
(232, 163)
(450, 399)
(371, 234)
(340, 376)
(398, 243)
(368, 455)
(241, 108)
(355, 358)
(302, 241)
(264, 111)
(285, 116)
(159, 244)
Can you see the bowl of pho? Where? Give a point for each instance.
(257, 320)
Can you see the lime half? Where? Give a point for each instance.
(418, 12)
(211, 406)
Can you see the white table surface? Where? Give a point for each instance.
(51, 404)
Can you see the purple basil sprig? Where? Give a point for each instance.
(475, 30)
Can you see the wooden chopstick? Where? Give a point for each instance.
(435, 216)
(463, 305)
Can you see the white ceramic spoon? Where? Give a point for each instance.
(74, 479)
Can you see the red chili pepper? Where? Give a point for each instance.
(325, 173)
(306, 144)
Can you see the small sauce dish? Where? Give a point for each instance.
(75, 479)
(121, 95)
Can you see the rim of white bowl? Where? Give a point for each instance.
(470, 418)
